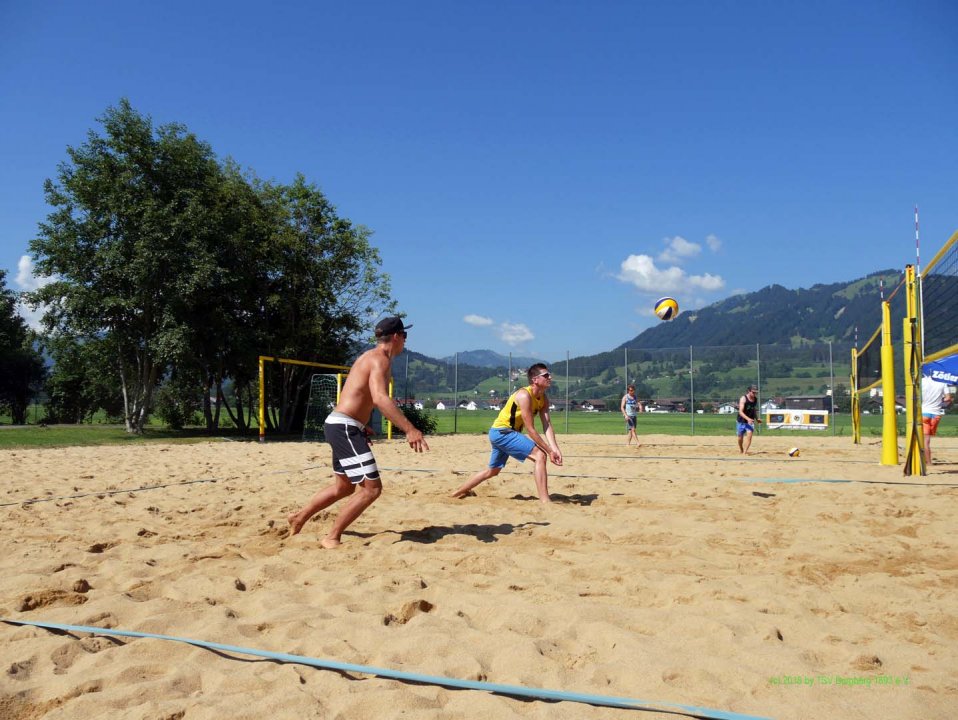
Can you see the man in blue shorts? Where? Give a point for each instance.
(354, 466)
(747, 417)
(508, 441)
(629, 406)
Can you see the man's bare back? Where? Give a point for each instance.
(366, 386)
(370, 372)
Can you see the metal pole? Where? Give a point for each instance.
(405, 398)
(567, 392)
(509, 378)
(626, 368)
(831, 379)
(691, 391)
(758, 375)
(455, 392)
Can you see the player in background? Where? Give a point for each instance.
(629, 406)
(747, 417)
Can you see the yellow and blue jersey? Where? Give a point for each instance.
(510, 417)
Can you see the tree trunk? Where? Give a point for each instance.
(207, 412)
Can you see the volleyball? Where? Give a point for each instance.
(666, 308)
(793, 452)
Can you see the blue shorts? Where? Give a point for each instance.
(744, 427)
(630, 422)
(507, 444)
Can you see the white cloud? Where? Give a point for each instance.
(32, 317)
(679, 249)
(707, 281)
(26, 279)
(713, 242)
(477, 320)
(514, 333)
(641, 271)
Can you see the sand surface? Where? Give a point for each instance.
(677, 572)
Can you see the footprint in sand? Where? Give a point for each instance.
(20, 670)
(43, 598)
(409, 610)
(100, 547)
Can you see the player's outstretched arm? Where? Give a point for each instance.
(379, 389)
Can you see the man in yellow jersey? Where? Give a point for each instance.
(507, 438)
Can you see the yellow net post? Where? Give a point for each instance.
(856, 406)
(889, 444)
(914, 440)
(262, 401)
(389, 425)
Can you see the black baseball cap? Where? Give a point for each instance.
(390, 326)
(752, 387)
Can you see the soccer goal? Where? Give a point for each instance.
(283, 389)
(323, 395)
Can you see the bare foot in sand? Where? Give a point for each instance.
(295, 524)
(330, 543)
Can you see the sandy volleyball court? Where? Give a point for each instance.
(676, 573)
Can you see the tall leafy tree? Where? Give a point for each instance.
(21, 366)
(130, 241)
(184, 267)
(322, 282)
(83, 379)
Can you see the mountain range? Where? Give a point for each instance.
(774, 315)
(799, 326)
(490, 359)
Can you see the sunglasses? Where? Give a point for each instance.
(403, 334)
(545, 375)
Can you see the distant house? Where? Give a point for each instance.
(440, 405)
(470, 405)
(669, 405)
(809, 402)
(876, 406)
(727, 409)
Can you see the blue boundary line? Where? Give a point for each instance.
(511, 690)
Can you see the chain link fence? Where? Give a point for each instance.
(694, 380)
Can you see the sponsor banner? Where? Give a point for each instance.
(943, 370)
(796, 419)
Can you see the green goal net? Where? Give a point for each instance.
(323, 393)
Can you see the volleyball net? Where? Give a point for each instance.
(939, 303)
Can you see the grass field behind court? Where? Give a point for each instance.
(611, 423)
(465, 423)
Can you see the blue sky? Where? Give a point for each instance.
(535, 173)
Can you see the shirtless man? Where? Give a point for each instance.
(354, 466)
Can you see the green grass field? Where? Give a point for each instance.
(611, 423)
(476, 422)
